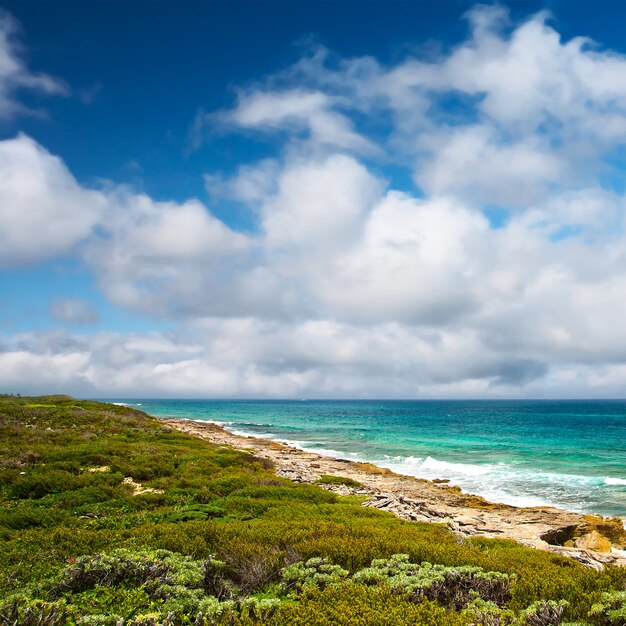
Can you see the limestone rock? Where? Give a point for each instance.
(593, 541)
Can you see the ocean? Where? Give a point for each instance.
(569, 454)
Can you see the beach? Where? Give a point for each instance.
(591, 539)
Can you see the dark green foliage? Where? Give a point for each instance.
(193, 512)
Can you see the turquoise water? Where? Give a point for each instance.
(570, 454)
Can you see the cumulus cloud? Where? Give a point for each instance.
(44, 212)
(164, 258)
(349, 286)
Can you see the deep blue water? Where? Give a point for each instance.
(570, 454)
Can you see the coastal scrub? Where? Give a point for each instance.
(109, 516)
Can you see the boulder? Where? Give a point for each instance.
(593, 541)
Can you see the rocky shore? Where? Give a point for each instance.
(590, 539)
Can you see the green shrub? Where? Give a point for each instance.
(33, 613)
(42, 482)
(193, 512)
(543, 613)
(23, 517)
(350, 604)
(611, 609)
(315, 573)
(453, 587)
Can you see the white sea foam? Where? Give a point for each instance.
(205, 421)
(498, 482)
(241, 433)
(120, 403)
(614, 481)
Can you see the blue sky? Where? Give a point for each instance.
(289, 199)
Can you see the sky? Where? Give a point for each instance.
(304, 199)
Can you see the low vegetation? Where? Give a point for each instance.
(108, 517)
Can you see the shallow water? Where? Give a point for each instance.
(570, 454)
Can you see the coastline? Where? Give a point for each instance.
(588, 537)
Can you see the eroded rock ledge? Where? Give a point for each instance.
(590, 539)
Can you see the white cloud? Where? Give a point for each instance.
(297, 110)
(413, 264)
(473, 163)
(44, 212)
(164, 258)
(251, 184)
(15, 76)
(319, 204)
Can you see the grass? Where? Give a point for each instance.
(213, 501)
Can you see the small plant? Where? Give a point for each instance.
(611, 610)
(114, 568)
(259, 608)
(33, 613)
(543, 613)
(214, 581)
(485, 613)
(316, 573)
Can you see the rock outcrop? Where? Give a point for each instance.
(593, 541)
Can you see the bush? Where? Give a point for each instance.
(21, 518)
(40, 483)
(351, 604)
(316, 573)
(33, 613)
(118, 567)
(543, 613)
(611, 609)
(452, 587)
